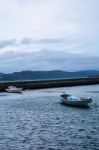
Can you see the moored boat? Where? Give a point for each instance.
(13, 89)
(75, 101)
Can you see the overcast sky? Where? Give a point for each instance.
(49, 35)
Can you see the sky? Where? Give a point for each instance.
(49, 35)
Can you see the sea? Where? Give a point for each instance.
(36, 120)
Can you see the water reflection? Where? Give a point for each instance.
(35, 120)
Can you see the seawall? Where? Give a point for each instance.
(50, 83)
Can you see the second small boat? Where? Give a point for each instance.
(13, 89)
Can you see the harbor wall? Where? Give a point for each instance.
(49, 83)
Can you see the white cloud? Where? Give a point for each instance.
(45, 19)
(70, 26)
(7, 42)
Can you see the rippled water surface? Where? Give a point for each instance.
(35, 120)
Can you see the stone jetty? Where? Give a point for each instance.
(39, 84)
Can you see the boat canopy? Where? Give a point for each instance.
(72, 98)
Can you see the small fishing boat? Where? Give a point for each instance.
(13, 89)
(75, 101)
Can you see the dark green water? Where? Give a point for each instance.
(35, 120)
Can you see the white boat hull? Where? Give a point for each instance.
(75, 103)
(14, 91)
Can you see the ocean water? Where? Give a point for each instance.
(36, 120)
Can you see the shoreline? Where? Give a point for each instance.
(40, 84)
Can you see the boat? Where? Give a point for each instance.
(75, 101)
(13, 89)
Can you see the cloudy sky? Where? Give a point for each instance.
(49, 35)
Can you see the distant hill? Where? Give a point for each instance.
(39, 75)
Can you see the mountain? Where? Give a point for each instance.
(1, 75)
(39, 75)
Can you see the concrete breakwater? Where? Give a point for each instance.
(49, 83)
